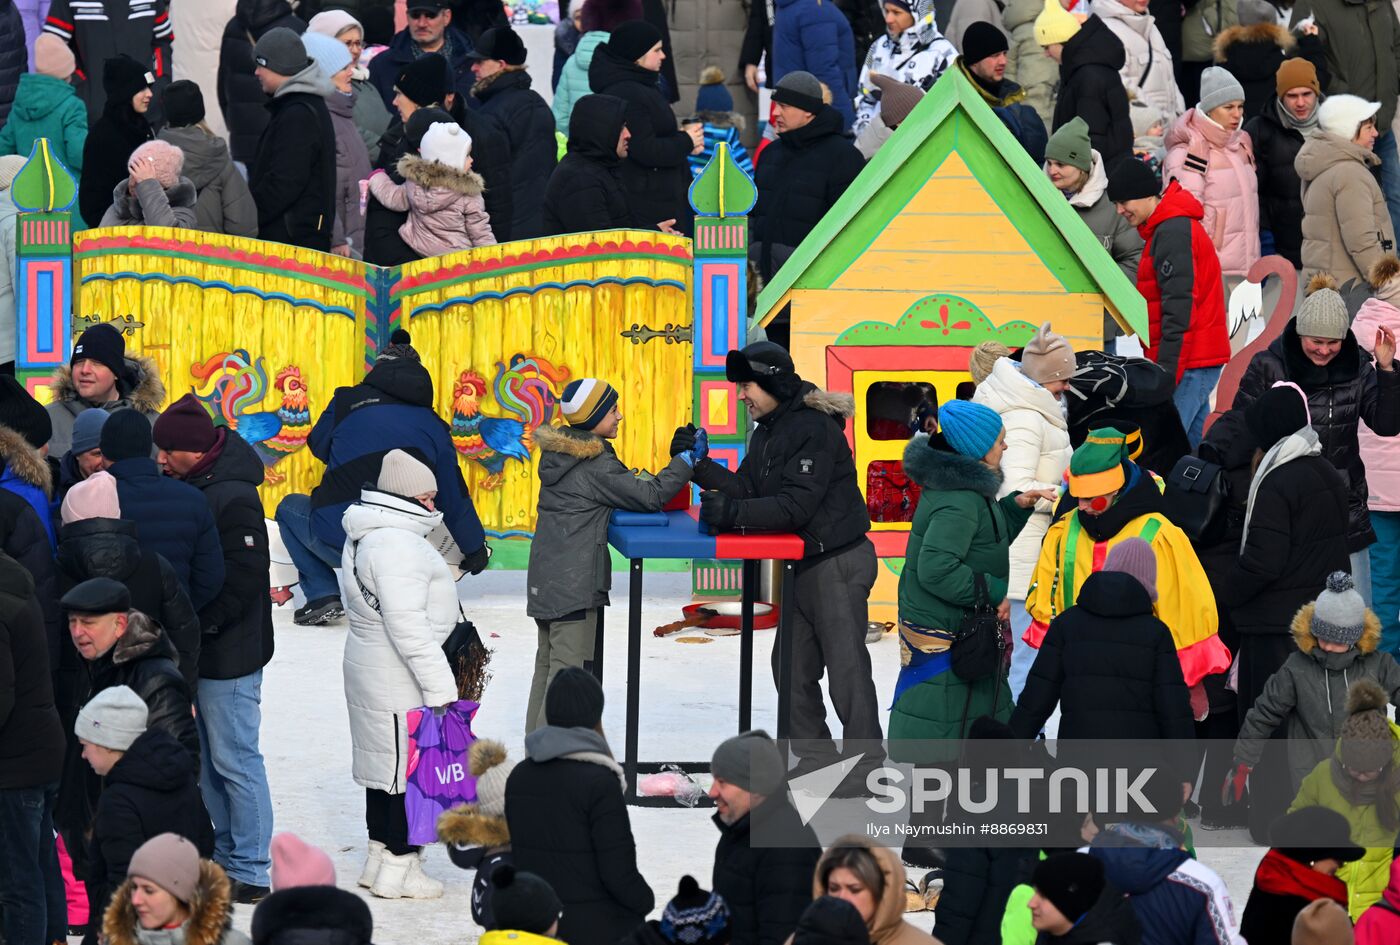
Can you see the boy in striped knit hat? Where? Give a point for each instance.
(581, 482)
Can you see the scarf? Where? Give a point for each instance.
(1294, 446)
(1284, 876)
(1303, 126)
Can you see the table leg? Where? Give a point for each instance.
(789, 600)
(748, 591)
(634, 674)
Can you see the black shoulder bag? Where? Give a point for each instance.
(979, 648)
(1197, 498)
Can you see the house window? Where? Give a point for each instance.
(896, 410)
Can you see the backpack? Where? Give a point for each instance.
(1197, 499)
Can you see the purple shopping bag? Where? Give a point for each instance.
(438, 775)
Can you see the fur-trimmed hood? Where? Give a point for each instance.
(1270, 33)
(141, 388)
(841, 406)
(211, 913)
(569, 441)
(1301, 628)
(943, 470)
(333, 916)
(431, 175)
(466, 826)
(27, 463)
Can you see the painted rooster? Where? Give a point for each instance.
(526, 389)
(231, 382)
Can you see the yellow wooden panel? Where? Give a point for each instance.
(963, 272)
(943, 231)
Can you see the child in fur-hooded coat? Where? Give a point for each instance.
(476, 834)
(442, 194)
(210, 919)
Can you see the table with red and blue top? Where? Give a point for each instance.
(679, 534)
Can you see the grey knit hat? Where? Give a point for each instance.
(1218, 86)
(280, 50)
(114, 718)
(1323, 313)
(404, 475)
(750, 761)
(1339, 616)
(800, 90)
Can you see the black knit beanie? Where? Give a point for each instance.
(1071, 881)
(633, 40)
(574, 699)
(424, 81)
(22, 413)
(126, 435)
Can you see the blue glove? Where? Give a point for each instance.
(1267, 246)
(702, 445)
(687, 457)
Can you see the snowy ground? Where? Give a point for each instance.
(688, 701)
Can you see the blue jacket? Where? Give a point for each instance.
(1178, 900)
(25, 473)
(814, 36)
(391, 409)
(384, 69)
(172, 519)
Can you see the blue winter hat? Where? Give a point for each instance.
(970, 428)
(713, 96)
(330, 54)
(87, 430)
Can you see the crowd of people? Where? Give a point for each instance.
(1060, 558)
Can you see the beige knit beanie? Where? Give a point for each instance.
(984, 356)
(1048, 357)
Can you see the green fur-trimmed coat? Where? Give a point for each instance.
(581, 482)
(960, 530)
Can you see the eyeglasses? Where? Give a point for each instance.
(354, 44)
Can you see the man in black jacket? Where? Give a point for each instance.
(585, 191)
(241, 98)
(237, 626)
(31, 760)
(119, 647)
(766, 880)
(503, 89)
(798, 476)
(293, 172)
(803, 173)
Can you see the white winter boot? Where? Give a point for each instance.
(402, 877)
(371, 870)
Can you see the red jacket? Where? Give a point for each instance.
(1179, 276)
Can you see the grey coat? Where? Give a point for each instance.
(1309, 694)
(152, 205)
(581, 482)
(351, 166)
(224, 204)
(1114, 233)
(140, 388)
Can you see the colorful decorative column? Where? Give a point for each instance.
(721, 196)
(43, 190)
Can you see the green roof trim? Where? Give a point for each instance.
(938, 320)
(954, 117)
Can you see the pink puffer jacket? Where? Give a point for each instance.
(1217, 167)
(1380, 924)
(1381, 454)
(446, 211)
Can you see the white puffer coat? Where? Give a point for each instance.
(1147, 71)
(393, 660)
(1037, 455)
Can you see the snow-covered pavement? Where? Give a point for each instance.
(688, 700)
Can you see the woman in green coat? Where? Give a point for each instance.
(960, 531)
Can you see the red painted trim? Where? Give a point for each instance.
(91, 243)
(890, 544)
(562, 254)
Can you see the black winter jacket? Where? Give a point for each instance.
(153, 789)
(798, 474)
(656, 171)
(384, 69)
(1111, 666)
(107, 547)
(1252, 54)
(1110, 919)
(977, 881)
(237, 623)
(1091, 88)
(569, 825)
(766, 887)
(800, 178)
(1347, 391)
(31, 736)
(1297, 536)
(14, 58)
(585, 192)
(23, 537)
(106, 153)
(1280, 188)
(312, 915)
(529, 125)
(292, 177)
(173, 520)
(241, 97)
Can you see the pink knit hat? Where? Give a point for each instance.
(53, 58)
(168, 160)
(94, 497)
(297, 863)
